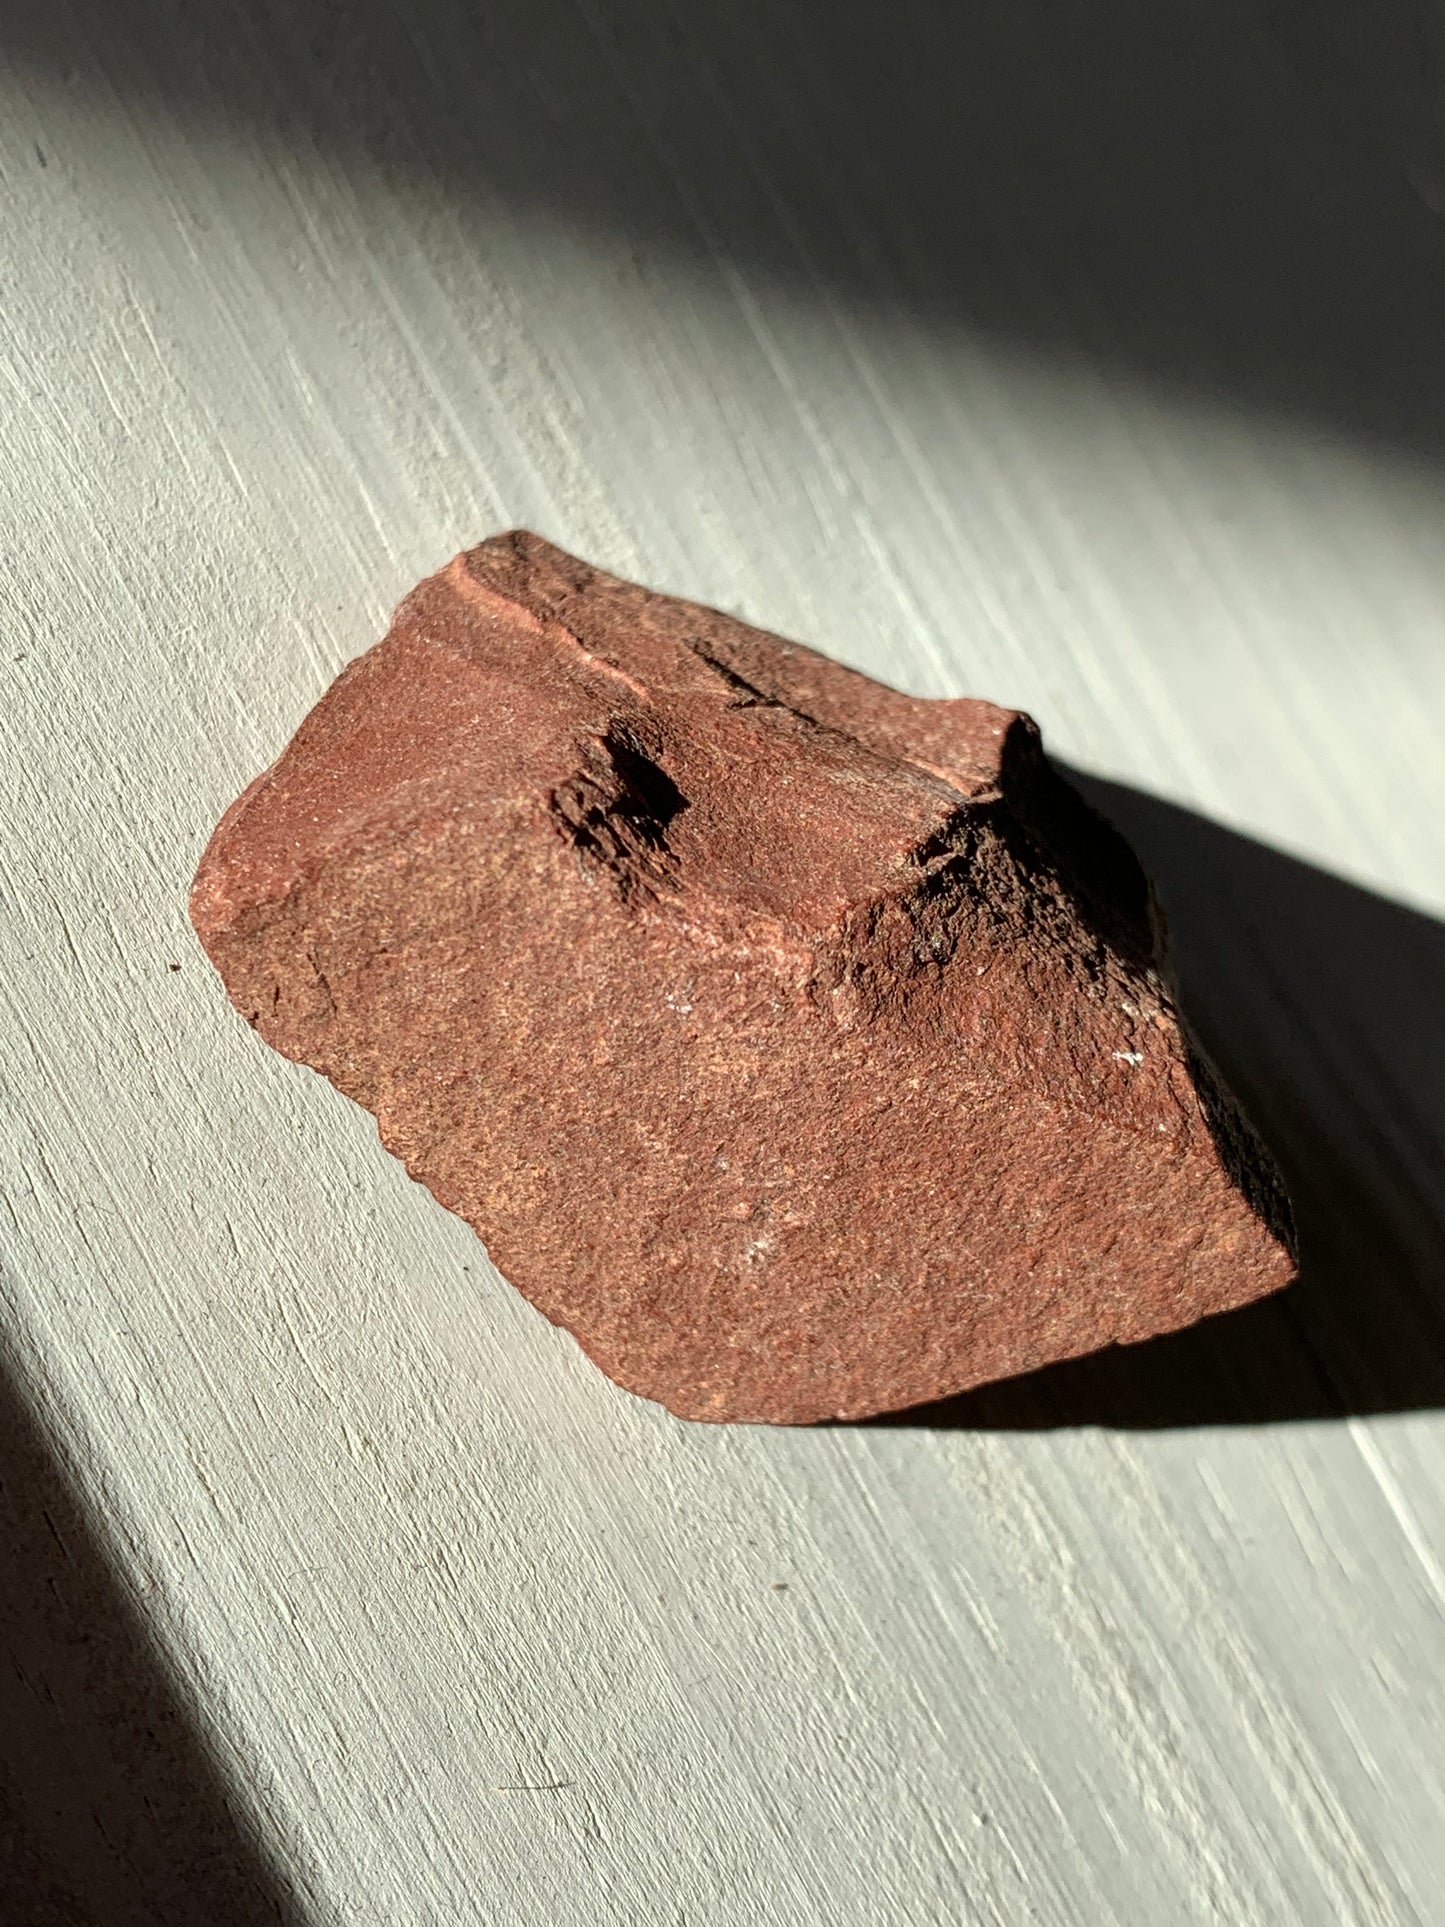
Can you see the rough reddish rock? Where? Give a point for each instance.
(800, 1046)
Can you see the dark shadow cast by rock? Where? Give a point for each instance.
(113, 1812)
(1325, 1007)
(1242, 201)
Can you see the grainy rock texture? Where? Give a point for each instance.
(799, 1045)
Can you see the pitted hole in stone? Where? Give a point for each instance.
(617, 809)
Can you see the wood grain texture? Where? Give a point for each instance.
(297, 303)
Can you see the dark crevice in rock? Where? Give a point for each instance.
(616, 810)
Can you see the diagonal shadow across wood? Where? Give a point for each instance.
(1324, 1004)
(113, 1812)
(1242, 200)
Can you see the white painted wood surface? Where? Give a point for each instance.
(427, 1621)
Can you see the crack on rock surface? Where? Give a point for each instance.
(747, 695)
(861, 1082)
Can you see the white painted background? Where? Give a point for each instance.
(295, 304)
